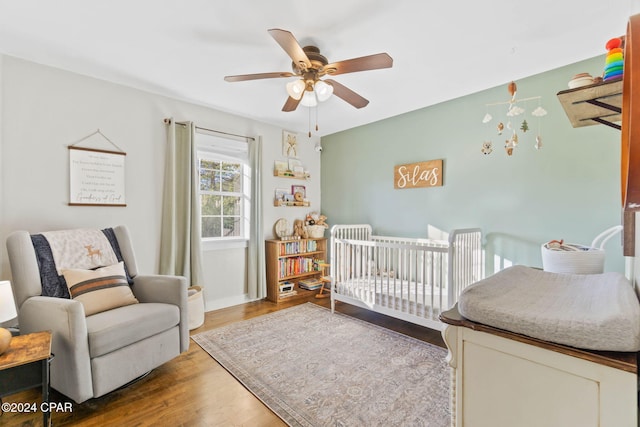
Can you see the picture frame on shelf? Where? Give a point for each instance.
(294, 163)
(282, 195)
(280, 166)
(295, 166)
(299, 189)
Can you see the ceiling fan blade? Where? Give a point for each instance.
(347, 94)
(288, 42)
(291, 104)
(244, 77)
(364, 63)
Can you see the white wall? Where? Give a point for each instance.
(43, 110)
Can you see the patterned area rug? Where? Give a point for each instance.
(314, 368)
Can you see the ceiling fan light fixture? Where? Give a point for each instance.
(296, 88)
(323, 90)
(309, 99)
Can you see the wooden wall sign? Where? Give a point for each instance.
(417, 175)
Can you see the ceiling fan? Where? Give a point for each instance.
(309, 66)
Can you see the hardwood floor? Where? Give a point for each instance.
(193, 389)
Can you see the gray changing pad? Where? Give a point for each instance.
(595, 311)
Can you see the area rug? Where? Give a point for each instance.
(315, 368)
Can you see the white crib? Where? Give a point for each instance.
(407, 278)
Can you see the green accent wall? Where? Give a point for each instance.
(570, 189)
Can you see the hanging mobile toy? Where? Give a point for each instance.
(525, 126)
(508, 147)
(500, 128)
(486, 147)
(538, 142)
(514, 139)
(513, 88)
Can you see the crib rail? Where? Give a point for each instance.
(411, 241)
(351, 231)
(466, 261)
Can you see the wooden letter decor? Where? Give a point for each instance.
(416, 175)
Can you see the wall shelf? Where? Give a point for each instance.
(280, 203)
(290, 174)
(599, 103)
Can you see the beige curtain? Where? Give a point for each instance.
(180, 247)
(256, 275)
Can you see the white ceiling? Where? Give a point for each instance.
(183, 49)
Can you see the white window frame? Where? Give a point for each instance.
(213, 147)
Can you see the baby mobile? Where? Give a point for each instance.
(514, 114)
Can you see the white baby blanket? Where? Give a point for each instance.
(82, 248)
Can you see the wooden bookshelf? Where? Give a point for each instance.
(292, 261)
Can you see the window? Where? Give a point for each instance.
(221, 198)
(224, 188)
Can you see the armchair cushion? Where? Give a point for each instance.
(100, 289)
(120, 327)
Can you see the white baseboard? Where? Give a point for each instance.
(219, 303)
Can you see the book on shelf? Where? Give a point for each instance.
(310, 284)
(287, 294)
(295, 266)
(298, 247)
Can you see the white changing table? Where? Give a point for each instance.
(503, 379)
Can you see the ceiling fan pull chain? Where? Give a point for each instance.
(309, 122)
(316, 118)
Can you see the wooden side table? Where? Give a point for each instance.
(25, 365)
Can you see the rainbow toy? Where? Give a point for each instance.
(614, 61)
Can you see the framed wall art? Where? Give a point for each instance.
(96, 176)
(289, 144)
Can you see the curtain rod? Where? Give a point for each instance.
(167, 121)
(226, 133)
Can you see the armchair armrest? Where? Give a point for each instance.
(66, 320)
(165, 289)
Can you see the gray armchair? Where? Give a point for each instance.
(101, 352)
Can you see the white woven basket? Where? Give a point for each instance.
(584, 260)
(195, 309)
(315, 231)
